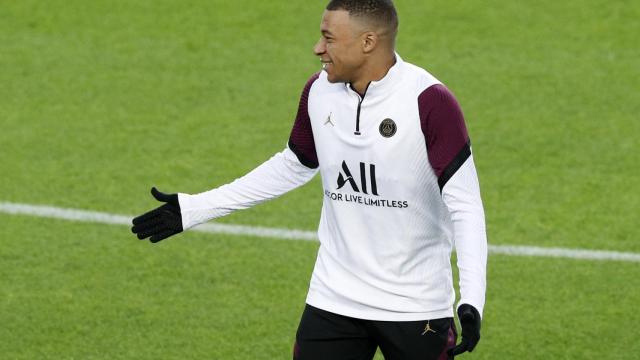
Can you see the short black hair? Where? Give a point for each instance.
(381, 12)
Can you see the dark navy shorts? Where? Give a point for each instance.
(323, 335)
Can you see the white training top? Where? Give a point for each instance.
(400, 189)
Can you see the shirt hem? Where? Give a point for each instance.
(376, 314)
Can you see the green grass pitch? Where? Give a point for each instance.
(100, 100)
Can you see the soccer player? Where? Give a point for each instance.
(400, 191)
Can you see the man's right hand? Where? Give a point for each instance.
(161, 222)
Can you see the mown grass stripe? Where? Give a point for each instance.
(291, 234)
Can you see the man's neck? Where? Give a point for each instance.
(374, 71)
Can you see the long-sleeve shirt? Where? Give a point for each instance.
(400, 191)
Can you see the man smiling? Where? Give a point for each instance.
(400, 190)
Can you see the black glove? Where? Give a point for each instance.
(161, 222)
(470, 322)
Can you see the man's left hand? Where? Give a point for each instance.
(470, 322)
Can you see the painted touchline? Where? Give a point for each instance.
(258, 231)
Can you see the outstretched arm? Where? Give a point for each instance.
(278, 175)
(285, 171)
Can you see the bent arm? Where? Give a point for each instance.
(278, 175)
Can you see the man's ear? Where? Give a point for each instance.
(369, 41)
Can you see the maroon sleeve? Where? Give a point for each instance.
(301, 138)
(444, 131)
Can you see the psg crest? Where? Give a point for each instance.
(387, 128)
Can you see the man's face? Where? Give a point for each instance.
(340, 46)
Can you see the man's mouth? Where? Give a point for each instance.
(325, 64)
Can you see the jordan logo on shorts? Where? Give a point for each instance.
(427, 329)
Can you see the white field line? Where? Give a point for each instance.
(106, 218)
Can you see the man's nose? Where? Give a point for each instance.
(319, 47)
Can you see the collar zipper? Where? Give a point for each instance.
(360, 100)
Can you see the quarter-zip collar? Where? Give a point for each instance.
(377, 89)
(384, 85)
